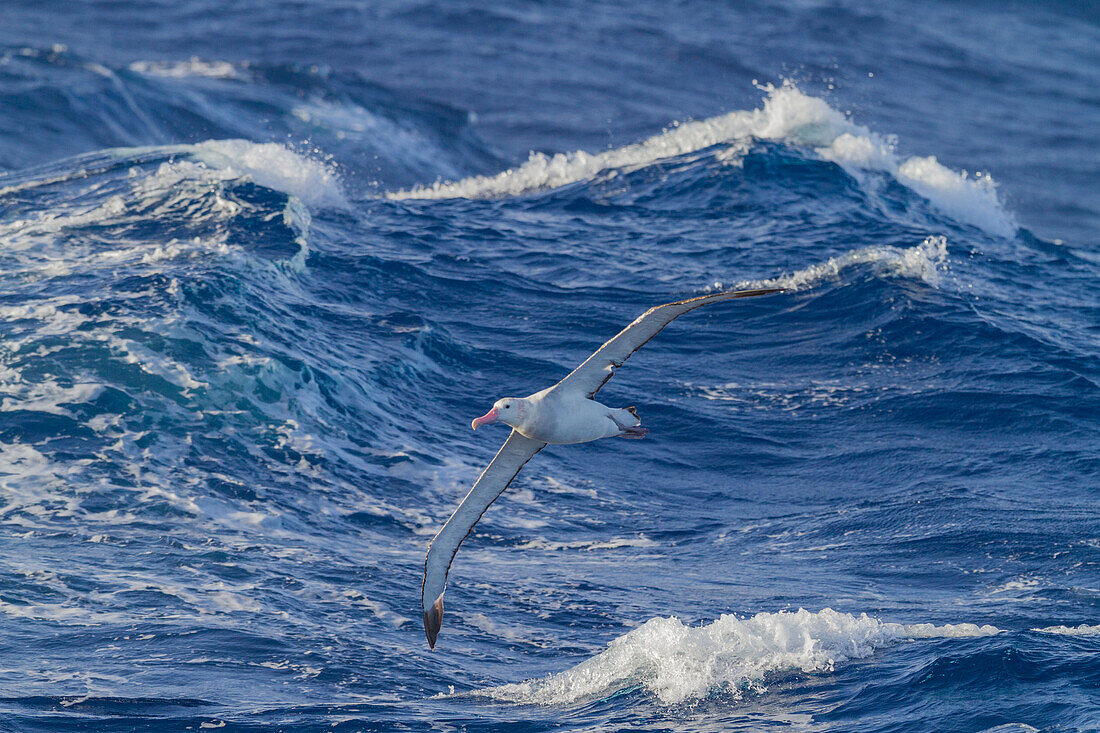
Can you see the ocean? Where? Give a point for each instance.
(262, 262)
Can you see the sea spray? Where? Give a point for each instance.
(675, 662)
(789, 116)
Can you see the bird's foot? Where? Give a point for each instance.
(634, 431)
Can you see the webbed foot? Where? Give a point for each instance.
(629, 431)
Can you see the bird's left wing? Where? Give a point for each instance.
(600, 367)
(515, 452)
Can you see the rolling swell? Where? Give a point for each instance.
(236, 373)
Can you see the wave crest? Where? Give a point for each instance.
(789, 116)
(926, 262)
(676, 662)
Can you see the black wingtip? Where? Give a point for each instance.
(433, 621)
(760, 291)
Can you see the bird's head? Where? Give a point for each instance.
(510, 411)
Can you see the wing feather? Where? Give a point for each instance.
(496, 477)
(593, 374)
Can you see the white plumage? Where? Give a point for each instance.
(564, 413)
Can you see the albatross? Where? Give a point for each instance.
(562, 414)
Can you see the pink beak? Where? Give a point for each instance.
(489, 417)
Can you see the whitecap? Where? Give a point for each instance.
(925, 262)
(47, 396)
(947, 631)
(1082, 630)
(189, 181)
(192, 67)
(788, 115)
(676, 662)
(273, 166)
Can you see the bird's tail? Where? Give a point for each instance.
(629, 416)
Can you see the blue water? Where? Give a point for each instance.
(263, 261)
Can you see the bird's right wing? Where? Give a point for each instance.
(600, 367)
(515, 452)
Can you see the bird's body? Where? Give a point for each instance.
(562, 417)
(562, 414)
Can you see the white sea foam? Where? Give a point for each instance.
(925, 262)
(947, 631)
(1082, 630)
(541, 543)
(200, 598)
(783, 395)
(972, 200)
(788, 115)
(270, 165)
(29, 481)
(192, 67)
(62, 614)
(36, 487)
(676, 662)
(273, 166)
(46, 396)
(188, 182)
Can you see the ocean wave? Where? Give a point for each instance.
(788, 116)
(101, 286)
(274, 166)
(305, 176)
(925, 262)
(1081, 630)
(349, 121)
(181, 184)
(676, 662)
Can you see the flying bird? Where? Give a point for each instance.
(562, 414)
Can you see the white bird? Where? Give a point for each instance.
(564, 413)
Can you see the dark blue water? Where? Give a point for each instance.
(262, 262)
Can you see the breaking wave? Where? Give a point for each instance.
(788, 116)
(676, 662)
(925, 262)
